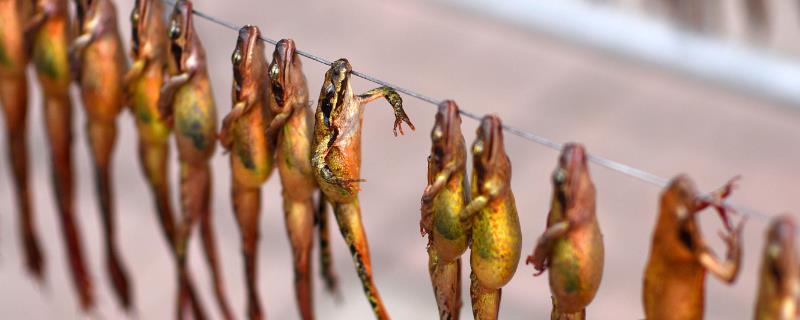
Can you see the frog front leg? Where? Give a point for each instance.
(394, 100)
(727, 270)
(167, 95)
(544, 246)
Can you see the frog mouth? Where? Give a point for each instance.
(493, 135)
(284, 55)
(574, 159)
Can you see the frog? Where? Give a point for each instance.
(186, 103)
(99, 58)
(571, 246)
(142, 84)
(292, 126)
(251, 150)
(496, 237)
(445, 196)
(336, 161)
(49, 34)
(779, 284)
(14, 58)
(679, 259)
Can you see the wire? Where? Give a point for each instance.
(639, 174)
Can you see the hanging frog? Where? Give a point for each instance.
(292, 127)
(572, 245)
(674, 279)
(14, 57)
(99, 58)
(143, 82)
(187, 97)
(779, 288)
(251, 150)
(336, 160)
(492, 216)
(444, 198)
(49, 34)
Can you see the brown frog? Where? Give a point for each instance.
(492, 216)
(14, 57)
(187, 97)
(674, 279)
(336, 159)
(49, 34)
(779, 287)
(98, 56)
(444, 198)
(251, 150)
(572, 245)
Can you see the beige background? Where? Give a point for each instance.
(633, 113)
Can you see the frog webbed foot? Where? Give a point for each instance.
(395, 101)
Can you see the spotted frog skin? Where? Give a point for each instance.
(186, 100)
(444, 198)
(251, 151)
(492, 215)
(572, 245)
(14, 58)
(674, 279)
(151, 65)
(99, 58)
(292, 127)
(336, 159)
(49, 34)
(779, 287)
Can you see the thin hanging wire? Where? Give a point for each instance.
(630, 171)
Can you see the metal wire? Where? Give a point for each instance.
(639, 174)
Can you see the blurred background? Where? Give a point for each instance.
(700, 87)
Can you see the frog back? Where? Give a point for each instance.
(195, 119)
(144, 95)
(251, 154)
(13, 59)
(450, 235)
(50, 56)
(496, 242)
(294, 155)
(103, 66)
(576, 267)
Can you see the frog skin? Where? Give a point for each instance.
(143, 84)
(444, 198)
(14, 58)
(572, 245)
(492, 216)
(674, 279)
(187, 97)
(49, 35)
(292, 126)
(779, 287)
(251, 151)
(100, 58)
(336, 159)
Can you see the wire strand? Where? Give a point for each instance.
(630, 171)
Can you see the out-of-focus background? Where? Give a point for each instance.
(627, 79)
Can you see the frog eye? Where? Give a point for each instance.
(273, 71)
(559, 176)
(135, 17)
(477, 148)
(437, 133)
(236, 58)
(174, 30)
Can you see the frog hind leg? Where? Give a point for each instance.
(556, 314)
(246, 205)
(102, 136)
(348, 216)
(14, 99)
(299, 219)
(325, 253)
(154, 158)
(446, 280)
(194, 188)
(58, 122)
(485, 301)
(210, 249)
